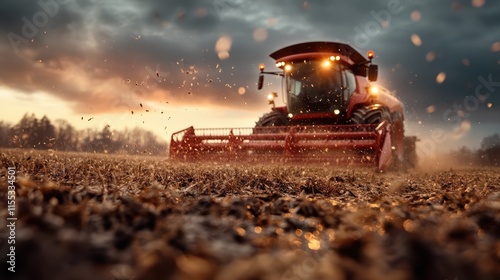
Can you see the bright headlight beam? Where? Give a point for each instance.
(374, 90)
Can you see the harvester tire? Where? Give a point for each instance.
(273, 118)
(370, 115)
(376, 115)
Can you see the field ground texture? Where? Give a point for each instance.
(85, 216)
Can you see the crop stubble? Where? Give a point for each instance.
(85, 216)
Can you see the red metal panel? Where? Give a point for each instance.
(341, 144)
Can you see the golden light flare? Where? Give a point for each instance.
(201, 12)
(314, 244)
(331, 235)
(257, 229)
(430, 56)
(415, 15)
(241, 90)
(441, 77)
(408, 225)
(260, 34)
(462, 130)
(456, 6)
(241, 231)
(478, 3)
(490, 105)
(223, 55)
(466, 62)
(223, 46)
(495, 47)
(431, 109)
(416, 40)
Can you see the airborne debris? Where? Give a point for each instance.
(441, 77)
(415, 15)
(90, 119)
(430, 56)
(495, 47)
(415, 39)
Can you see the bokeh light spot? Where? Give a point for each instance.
(260, 34)
(415, 39)
(415, 16)
(441, 77)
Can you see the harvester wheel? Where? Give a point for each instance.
(272, 119)
(376, 115)
(370, 115)
(358, 115)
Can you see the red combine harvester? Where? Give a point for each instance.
(333, 115)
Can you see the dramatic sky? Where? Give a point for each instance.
(194, 62)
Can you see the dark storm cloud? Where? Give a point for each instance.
(109, 55)
(452, 36)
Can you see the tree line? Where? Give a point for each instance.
(487, 154)
(31, 132)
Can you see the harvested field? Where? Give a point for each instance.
(83, 216)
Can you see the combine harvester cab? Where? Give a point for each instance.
(333, 115)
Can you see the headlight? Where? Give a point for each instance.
(370, 54)
(374, 91)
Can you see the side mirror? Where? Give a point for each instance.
(260, 84)
(372, 73)
(359, 70)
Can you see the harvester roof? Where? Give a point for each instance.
(320, 47)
